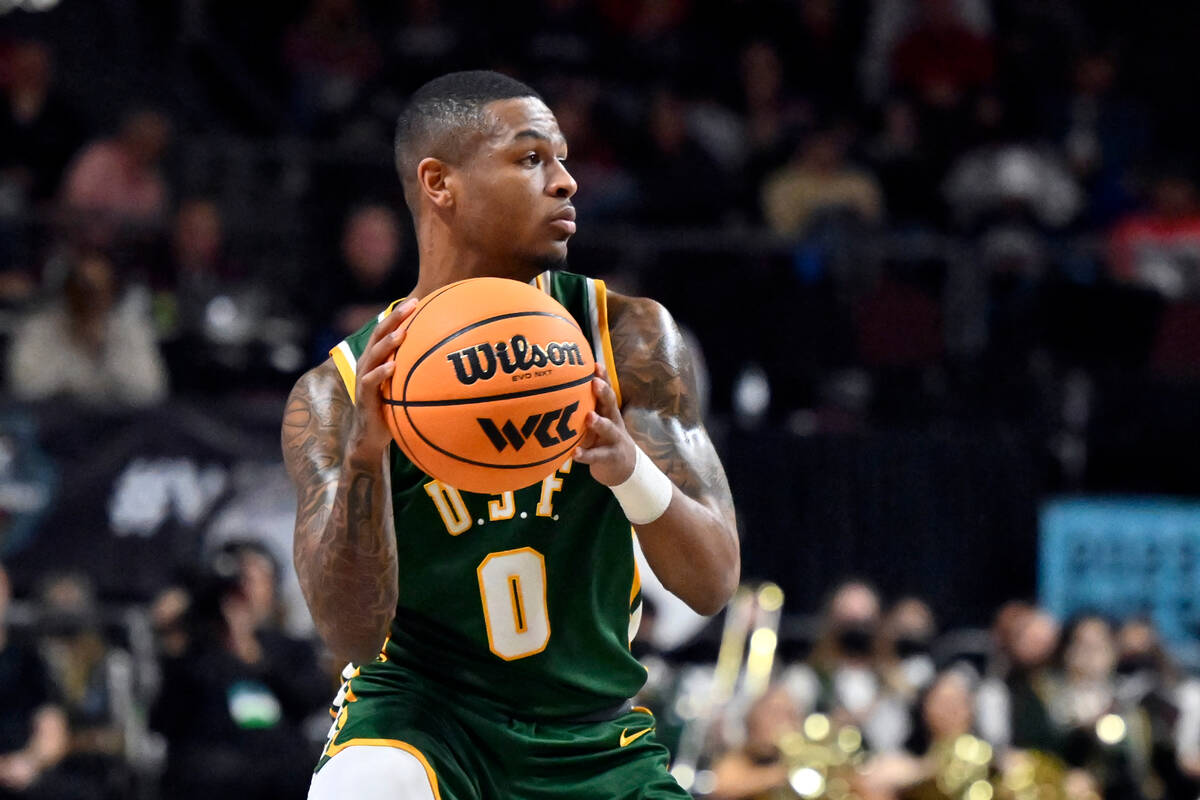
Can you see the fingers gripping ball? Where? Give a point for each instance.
(492, 385)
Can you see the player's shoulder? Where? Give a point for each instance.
(322, 381)
(638, 321)
(653, 362)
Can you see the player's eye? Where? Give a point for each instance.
(531, 160)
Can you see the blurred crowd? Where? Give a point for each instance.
(875, 701)
(955, 167)
(202, 693)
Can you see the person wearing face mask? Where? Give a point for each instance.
(852, 689)
(1168, 704)
(905, 644)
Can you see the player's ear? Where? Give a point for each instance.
(431, 180)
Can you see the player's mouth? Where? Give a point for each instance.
(564, 220)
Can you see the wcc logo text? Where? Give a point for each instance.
(548, 429)
(480, 362)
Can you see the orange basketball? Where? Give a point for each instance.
(492, 385)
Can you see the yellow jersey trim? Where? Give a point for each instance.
(637, 583)
(333, 750)
(344, 367)
(343, 357)
(610, 362)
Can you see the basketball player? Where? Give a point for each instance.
(489, 635)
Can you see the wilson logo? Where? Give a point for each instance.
(480, 362)
(549, 429)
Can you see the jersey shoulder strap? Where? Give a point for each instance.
(345, 354)
(586, 299)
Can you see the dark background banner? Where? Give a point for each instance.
(135, 493)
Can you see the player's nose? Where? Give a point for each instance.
(562, 184)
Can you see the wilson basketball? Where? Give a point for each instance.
(492, 385)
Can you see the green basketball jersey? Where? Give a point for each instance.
(524, 601)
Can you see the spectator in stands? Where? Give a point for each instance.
(681, 183)
(197, 269)
(947, 708)
(120, 179)
(198, 245)
(905, 647)
(821, 55)
(1159, 248)
(757, 768)
(1101, 132)
(908, 172)
(851, 688)
(941, 60)
(889, 21)
(772, 116)
(1005, 181)
(228, 707)
(168, 617)
(331, 55)
(1167, 702)
(33, 728)
(819, 179)
(944, 713)
(368, 277)
(91, 345)
(92, 676)
(1083, 698)
(258, 579)
(1012, 704)
(39, 129)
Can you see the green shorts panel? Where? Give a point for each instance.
(479, 755)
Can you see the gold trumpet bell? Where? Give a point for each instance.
(822, 760)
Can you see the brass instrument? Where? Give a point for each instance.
(823, 759)
(750, 631)
(967, 769)
(1033, 775)
(964, 769)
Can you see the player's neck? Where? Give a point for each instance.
(446, 264)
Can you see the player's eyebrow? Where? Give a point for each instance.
(530, 132)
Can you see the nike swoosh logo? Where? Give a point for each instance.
(627, 740)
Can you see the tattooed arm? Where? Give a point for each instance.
(693, 546)
(334, 449)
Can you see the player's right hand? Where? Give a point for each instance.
(369, 434)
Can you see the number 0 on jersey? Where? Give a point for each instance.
(512, 584)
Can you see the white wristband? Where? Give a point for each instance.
(645, 494)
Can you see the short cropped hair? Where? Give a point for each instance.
(441, 115)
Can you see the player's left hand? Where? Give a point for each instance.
(606, 446)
